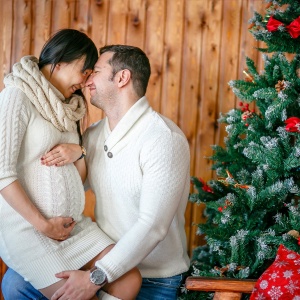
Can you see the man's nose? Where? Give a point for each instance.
(88, 80)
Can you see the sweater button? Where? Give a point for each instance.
(105, 148)
(109, 154)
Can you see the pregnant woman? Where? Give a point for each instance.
(42, 228)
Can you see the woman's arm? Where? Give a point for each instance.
(57, 228)
(15, 115)
(64, 154)
(81, 168)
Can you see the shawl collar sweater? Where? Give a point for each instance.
(139, 173)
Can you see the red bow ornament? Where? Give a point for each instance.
(273, 24)
(293, 124)
(294, 28)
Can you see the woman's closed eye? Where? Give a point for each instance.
(87, 72)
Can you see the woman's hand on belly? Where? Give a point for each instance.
(58, 228)
(61, 155)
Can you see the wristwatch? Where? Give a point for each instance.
(83, 153)
(97, 276)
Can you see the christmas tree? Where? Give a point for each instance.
(253, 204)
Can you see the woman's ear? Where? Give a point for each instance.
(124, 77)
(57, 66)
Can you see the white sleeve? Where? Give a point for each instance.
(14, 118)
(165, 167)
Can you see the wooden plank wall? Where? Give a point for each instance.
(195, 47)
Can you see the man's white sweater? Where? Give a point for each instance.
(139, 173)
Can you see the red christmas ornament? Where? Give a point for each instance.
(294, 28)
(292, 124)
(220, 209)
(205, 187)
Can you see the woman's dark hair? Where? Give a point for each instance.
(67, 45)
(133, 59)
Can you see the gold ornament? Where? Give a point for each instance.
(294, 233)
(249, 78)
(236, 185)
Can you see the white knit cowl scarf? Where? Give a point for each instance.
(51, 104)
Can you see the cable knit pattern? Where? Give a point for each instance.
(25, 135)
(45, 97)
(141, 191)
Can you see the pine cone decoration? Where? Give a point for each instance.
(280, 86)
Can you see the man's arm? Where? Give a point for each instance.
(165, 167)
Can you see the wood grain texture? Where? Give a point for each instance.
(219, 284)
(154, 47)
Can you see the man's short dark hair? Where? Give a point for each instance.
(133, 59)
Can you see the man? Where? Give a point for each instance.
(138, 168)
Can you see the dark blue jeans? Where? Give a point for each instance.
(14, 287)
(160, 288)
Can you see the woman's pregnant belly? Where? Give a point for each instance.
(56, 191)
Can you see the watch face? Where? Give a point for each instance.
(98, 277)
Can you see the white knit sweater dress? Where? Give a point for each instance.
(33, 119)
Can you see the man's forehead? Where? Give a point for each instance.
(103, 60)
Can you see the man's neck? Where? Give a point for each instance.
(114, 118)
(116, 113)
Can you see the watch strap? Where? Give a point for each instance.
(83, 154)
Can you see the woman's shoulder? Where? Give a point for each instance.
(13, 96)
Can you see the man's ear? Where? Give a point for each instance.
(124, 77)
